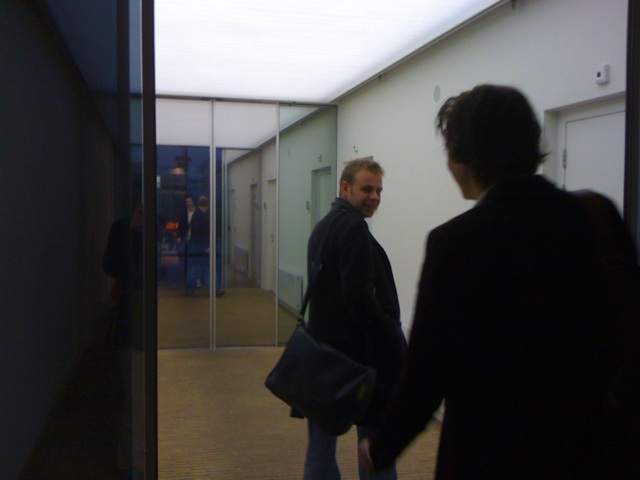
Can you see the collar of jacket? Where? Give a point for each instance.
(519, 187)
(340, 204)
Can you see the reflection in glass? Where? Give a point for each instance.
(245, 211)
(183, 312)
(307, 167)
(253, 146)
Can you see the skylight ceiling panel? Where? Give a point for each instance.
(303, 50)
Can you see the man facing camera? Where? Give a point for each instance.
(354, 307)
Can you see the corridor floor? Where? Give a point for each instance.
(217, 420)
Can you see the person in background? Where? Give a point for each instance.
(354, 307)
(123, 261)
(510, 325)
(198, 247)
(184, 232)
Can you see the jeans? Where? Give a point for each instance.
(321, 464)
(197, 266)
(198, 269)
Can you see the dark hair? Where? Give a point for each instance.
(354, 166)
(494, 131)
(203, 201)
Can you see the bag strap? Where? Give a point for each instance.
(314, 270)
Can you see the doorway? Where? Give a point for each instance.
(591, 143)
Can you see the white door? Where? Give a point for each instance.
(323, 192)
(592, 142)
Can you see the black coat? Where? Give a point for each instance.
(355, 304)
(199, 241)
(510, 330)
(183, 224)
(200, 226)
(123, 260)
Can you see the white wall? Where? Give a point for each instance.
(550, 49)
(242, 173)
(307, 146)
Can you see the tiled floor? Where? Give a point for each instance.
(218, 421)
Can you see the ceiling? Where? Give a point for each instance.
(277, 50)
(292, 50)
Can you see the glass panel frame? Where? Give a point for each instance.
(632, 128)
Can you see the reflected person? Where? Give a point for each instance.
(184, 232)
(199, 247)
(123, 260)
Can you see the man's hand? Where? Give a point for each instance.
(364, 459)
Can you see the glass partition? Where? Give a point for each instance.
(242, 260)
(139, 396)
(307, 169)
(183, 182)
(269, 174)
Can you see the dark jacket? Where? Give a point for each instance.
(355, 304)
(122, 260)
(183, 224)
(510, 330)
(199, 241)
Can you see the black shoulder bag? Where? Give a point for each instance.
(323, 384)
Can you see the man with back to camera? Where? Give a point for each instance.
(510, 326)
(184, 232)
(198, 247)
(354, 307)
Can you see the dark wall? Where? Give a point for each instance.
(55, 211)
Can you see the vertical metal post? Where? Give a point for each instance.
(632, 138)
(150, 303)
